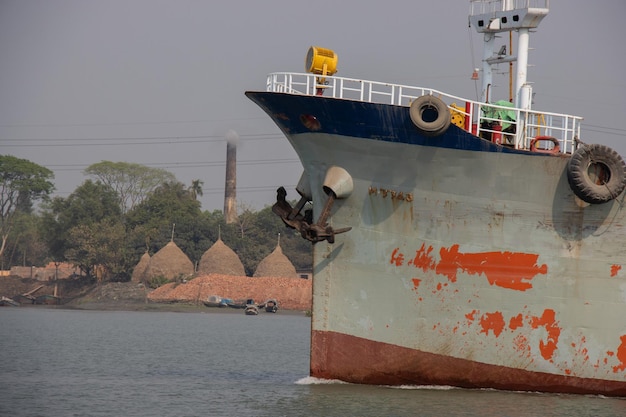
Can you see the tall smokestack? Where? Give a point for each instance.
(230, 192)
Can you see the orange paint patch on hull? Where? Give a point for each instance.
(397, 258)
(362, 361)
(471, 316)
(615, 269)
(512, 270)
(493, 322)
(548, 321)
(516, 322)
(423, 260)
(621, 356)
(416, 283)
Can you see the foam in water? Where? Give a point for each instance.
(424, 387)
(310, 380)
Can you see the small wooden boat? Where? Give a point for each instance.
(213, 301)
(8, 302)
(241, 303)
(271, 306)
(48, 299)
(251, 310)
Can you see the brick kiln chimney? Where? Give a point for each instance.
(230, 192)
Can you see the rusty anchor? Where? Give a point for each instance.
(293, 218)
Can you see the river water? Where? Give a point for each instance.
(57, 362)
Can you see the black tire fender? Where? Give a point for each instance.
(430, 115)
(596, 173)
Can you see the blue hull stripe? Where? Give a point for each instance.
(371, 121)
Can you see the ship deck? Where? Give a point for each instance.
(514, 127)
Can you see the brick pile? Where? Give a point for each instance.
(291, 293)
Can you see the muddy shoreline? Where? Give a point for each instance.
(158, 307)
(130, 296)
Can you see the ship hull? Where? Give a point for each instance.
(467, 264)
(362, 361)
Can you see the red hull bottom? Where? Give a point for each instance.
(356, 360)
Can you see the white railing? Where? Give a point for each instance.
(478, 7)
(509, 126)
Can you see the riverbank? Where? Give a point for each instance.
(293, 294)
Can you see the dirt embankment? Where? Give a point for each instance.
(67, 289)
(291, 293)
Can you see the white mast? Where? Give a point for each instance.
(491, 17)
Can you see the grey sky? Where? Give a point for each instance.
(162, 82)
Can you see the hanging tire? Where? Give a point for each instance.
(596, 173)
(430, 115)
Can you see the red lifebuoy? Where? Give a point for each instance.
(555, 149)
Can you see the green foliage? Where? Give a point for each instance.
(196, 188)
(168, 210)
(131, 182)
(97, 244)
(253, 237)
(90, 202)
(91, 207)
(22, 182)
(26, 245)
(91, 228)
(157, 281)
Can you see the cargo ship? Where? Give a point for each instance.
(467, 243)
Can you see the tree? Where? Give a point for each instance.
(98, 245)
(92, 202)
(88, 230)
(26, 246)
(22, 182)
(132, 182)
(151, 221)
(244, 218)
(196, 188)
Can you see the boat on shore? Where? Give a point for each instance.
(470, 243)
(213, 301)
(8, 302)
(251, 310)
(47, 299)
(270, 306)
(217, 301)
(241, 303)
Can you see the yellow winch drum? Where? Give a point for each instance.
(321, 61)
